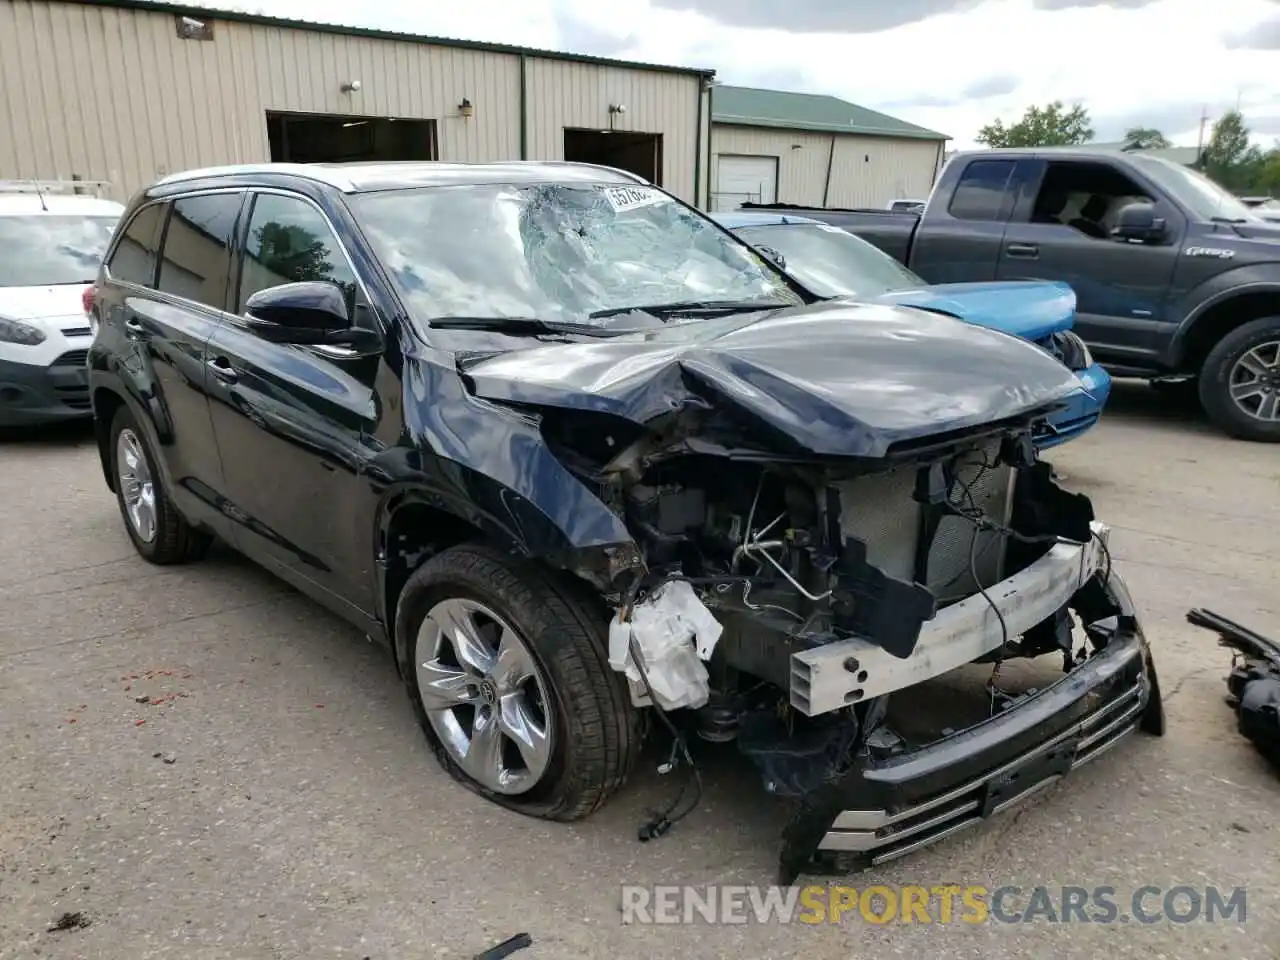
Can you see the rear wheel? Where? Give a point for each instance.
(1240, 382)
(509, 677)
(159, 533)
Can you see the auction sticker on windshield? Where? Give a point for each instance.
(629, 198)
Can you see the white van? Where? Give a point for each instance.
(51, 245)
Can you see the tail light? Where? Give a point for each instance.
(87, 300)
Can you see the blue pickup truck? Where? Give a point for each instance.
(834, 263)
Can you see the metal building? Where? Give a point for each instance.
(769, 146)
(127, 91)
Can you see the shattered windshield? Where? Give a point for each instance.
(564, 254)
(42, 249)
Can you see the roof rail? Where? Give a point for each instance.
(93, 188)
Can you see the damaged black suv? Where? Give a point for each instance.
(579, 456)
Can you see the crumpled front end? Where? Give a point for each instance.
(797, 601)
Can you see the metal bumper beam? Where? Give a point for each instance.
(836, 675)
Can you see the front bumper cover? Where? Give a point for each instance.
(31, 394)
(886, 808)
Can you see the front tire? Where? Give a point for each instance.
(507, 670)
(159, 533)
(1240, 382)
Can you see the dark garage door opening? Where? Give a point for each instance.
(325, 138)
(639, 153)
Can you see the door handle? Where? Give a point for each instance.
(222, 369)
(133, 328)
(1023, 251)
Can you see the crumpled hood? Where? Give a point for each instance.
(1024, 308)
(839, 379)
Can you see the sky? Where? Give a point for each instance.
(950, 65)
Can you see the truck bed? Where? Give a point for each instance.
(891, 231)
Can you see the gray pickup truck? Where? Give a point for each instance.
(1175, 278)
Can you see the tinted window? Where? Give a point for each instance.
(134, 258)
(980, 193)
(290, 241)
(196, 261)
(46, 249)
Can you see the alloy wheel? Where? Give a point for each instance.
(136, 485)
(1254, 382)
(484, 695)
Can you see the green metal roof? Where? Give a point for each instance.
(752, 107)
(212, 12)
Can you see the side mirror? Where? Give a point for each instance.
(773, 256)
(1138, 222)
(306, 313)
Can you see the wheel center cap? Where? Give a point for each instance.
(488, 691)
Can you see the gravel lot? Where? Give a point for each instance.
(282, 803)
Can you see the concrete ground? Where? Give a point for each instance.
(274, 799)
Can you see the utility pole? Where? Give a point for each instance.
(1204, 119)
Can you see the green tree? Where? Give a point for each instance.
(1053, 125)
(1145, 138)
(1229, 157)
(1268, 176)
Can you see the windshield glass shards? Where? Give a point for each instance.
(581, 254)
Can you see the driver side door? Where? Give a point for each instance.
(295, 424)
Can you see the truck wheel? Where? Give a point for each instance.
(509, 676)
(1240, 382)
(159, 533)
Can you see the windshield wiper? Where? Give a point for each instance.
(694, 306)
(516, 325)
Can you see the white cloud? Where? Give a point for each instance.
(1158, 64)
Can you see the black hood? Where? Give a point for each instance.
(838, 379)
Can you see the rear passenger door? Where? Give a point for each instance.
(172, 264)
(961, 244)
(294, 423)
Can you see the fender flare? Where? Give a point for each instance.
(525, 532)
(1217, 290)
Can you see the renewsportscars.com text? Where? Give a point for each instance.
(941, 903)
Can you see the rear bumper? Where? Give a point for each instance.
(1082, 412)
(887, 808)
(32, 394)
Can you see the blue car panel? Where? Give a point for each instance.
(1032, 310)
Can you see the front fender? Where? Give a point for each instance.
(489, 465)
(1218, 289)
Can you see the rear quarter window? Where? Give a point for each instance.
(134, 258)
(981, 191)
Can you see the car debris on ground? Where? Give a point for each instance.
(1254, 682)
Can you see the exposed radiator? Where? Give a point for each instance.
(879, 509)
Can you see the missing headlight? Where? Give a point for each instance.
(1069, 349)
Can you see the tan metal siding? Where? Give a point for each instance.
(565, 94)
(114, 94)
(865, 171)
